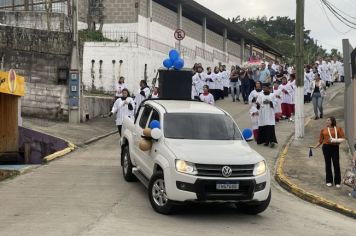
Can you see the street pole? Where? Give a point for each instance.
(299, 56)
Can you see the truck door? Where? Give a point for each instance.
(141, 157)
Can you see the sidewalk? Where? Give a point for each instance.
(78, 134)
(309, 173)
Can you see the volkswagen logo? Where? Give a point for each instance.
(226, 171)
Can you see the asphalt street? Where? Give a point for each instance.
(84, 193)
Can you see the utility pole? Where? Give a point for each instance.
(299, 56)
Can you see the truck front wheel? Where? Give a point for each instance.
(158, 196)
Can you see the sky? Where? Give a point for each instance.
(314, 20)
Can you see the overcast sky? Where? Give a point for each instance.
(315, 19)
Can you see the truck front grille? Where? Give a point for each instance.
(216, 170)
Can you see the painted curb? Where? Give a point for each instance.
(288, 185)
(71, 147)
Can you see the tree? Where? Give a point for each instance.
(279, 32)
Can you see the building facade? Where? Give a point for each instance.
(143, 34)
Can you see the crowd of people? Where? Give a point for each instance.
(268, 88)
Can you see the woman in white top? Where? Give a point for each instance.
(217, 77)
(318, 93)
(123, 107)
(206, 96)
(119, 87)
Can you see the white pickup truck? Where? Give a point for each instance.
(200, 156)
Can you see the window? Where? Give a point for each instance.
(200, 126)
(144, 117)
(154, 116)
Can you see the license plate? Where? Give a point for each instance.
(227, 186)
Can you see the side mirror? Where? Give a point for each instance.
(156, 133)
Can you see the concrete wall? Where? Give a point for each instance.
(40, 145)
(192, 29)
(36, 20)
(103, 76)
(215, 40)
(95, 106)
(164, 16)
(45, 101)
(35, 54)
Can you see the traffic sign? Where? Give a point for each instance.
(179, 34)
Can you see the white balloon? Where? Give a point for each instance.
(156, 133)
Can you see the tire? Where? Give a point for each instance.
(159, 201)
(127, 165)
(254, 208)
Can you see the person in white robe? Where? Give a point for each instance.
(155, 92)
(254, 94)
(308, 78)
(254, 121)
(206, 96)
(225, 80)
(198, 82)
(123, 107)
(287, 98)
(219, 87)
(119, 87)
(292, 84)
(278, 97)
(266, 120)
(142, 94)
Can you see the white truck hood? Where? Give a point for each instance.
(226, 152)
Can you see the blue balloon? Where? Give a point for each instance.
(247, 134)
(179, 64)
(155, 124)
(168, 63)
(173, 55)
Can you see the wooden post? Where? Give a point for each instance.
(299, 55)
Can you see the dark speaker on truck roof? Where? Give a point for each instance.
(175, 84)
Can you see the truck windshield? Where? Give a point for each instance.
(200, 126)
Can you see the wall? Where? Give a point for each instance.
(45, 101)
(40, 145)
(35, 54)
(95, 106)
(103, 77)
(120, 11)
(36, 20)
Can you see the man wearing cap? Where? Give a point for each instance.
(266, 103)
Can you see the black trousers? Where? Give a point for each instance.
(331, 154)
(245, 90)
(119, 127)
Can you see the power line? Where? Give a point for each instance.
(339, 16)
(329, 20)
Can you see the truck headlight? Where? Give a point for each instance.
(186, 167)
(260, 168)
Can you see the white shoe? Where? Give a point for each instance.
(329, 184)
(338, 186)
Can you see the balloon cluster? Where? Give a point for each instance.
(174, 60)
(149, 134)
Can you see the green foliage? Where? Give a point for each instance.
(92, 36)
(279, 32)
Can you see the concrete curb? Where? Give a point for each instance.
(71, 147)
(97, 138)
(288, 185)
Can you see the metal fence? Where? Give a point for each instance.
(57, 6)
(122, 37)
(185, 51)
(220, 56)
(202, 53)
